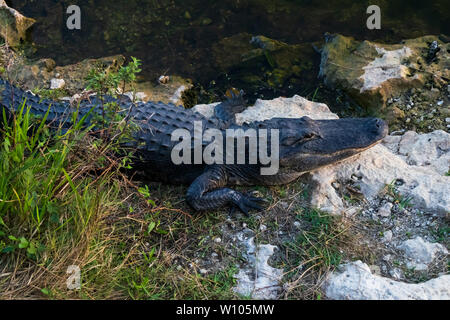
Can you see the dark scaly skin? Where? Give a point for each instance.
(305, 144)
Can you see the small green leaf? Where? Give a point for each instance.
(23, 243)
(32, 249)
(151, 226)
(45, 291)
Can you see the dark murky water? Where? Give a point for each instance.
(179, 36)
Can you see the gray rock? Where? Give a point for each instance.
(421, 253)
(57, 84)
(375, 74)
(13, 25)
(258, 279)
(387, 236)
(354, 281)
(385, 210)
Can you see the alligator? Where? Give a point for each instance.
(304, 144)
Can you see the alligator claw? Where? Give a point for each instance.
(246, 203)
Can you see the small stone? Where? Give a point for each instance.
(203, 271)
(351, 212)
(387, 236)
(262, 228)
(297, 224)
(336, 185)
(141, 96)
(217, 240)
(396, 273)
(57, 84)
(385, 210)
(163, 79)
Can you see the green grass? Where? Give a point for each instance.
(64, 200)
(402, 201)
(322, 244)
(54, 94)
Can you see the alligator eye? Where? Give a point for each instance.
(291, 140)
(309, 135)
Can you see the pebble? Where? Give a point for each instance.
(396, 273)
(163, 79)
(262, 228)
(387, 236)
(297, 224)
(351, 212)
(385, 210)
(217, 240)
(57, 84)
(335, 185)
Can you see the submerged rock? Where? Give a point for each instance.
(168, 92)
(260, 62)
(355, 281)
(13, 25)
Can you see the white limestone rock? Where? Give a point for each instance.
(57, 84)
(385, 210)
(420, 253)
(386, 67)
(257, 279)
(355, 281)
(295, 107)
(377, 167)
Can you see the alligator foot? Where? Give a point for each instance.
(207, 192)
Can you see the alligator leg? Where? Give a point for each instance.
(226, 110)
(208, 192)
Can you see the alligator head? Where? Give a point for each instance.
(307, 144)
